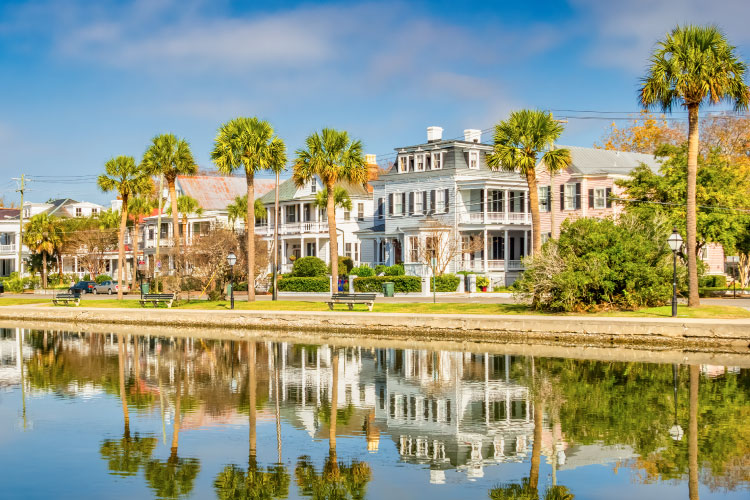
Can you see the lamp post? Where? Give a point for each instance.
(231, 260)
(675, 243)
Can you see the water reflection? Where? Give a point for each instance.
(512, 426)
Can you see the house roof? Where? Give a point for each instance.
(215, 192)
(9, 213)
(287, 190)
(592, 161)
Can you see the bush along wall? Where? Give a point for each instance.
(401, 284)
(445, 283)
(316, 284)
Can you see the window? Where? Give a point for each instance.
(291, 214)
(381, 211)
(437, 161)
(313, 186)
(418, 203)
(544, 205)
(360, 211)
(348, 250)
(94, 211)
(420, 162)
(79, 211)
(428, 161)
(398, 206)
(600, 198)
(151, 233)
(402, 164)
(413, 248)
(474, 159)
(569, 197)
(347, 215)
(440, 201)
(497, 202)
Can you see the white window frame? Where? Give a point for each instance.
(313, 186)
(474, 160)
(347, 214)
(437, 160)
(600, 198)
(414, 248)
(418, 203)
(440, 201)
(403, 163)
(570, 196)
(544, 198)
(360, 211)
(420, 162)
(398, 207)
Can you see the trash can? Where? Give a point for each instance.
(145, 288)
(388, 289)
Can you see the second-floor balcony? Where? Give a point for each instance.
(8, 248)
(495, 218)
(293, 228)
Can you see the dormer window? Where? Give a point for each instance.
(402, 164)
(420, 162)
(437, 161)
(313, 186)
(474, 160)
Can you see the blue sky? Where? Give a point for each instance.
(84, 81)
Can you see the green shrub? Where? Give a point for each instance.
(380, 268)
(714, 281)
(32, 282)
(240, 287)
(308, 267)
(402, 284)
(191, 283)
(13, 284)
(102, 278)
(86, 277)
(346, 264)
(304, 284)
(445, 283)
(363, 271)
(395, 270)
(602, 263)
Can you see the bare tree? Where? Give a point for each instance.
(89, 243)
(441, 243)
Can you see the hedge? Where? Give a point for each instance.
(714, 281)
(402, 284)
(308, 267)
(446, 283)
(316, 284)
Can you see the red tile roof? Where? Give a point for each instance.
(215, 192)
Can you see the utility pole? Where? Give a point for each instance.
(157, 269)
(21, 189)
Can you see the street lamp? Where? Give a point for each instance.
(675, 243)
(232, 260)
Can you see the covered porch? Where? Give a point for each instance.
(502, 251)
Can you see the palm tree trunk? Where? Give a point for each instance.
(251, 380)
(250, 231)
(692, 229)
(177, 418)
(121, 245)
(276, 398)
(333, 245)
(693, 435)
(44, 269)
(175, 221)
(536, 449)
(123, 398)
(536, 226)
(334, 402)
(135, 253)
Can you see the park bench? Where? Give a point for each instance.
(66, 298)
(350, 299)
(157, 298)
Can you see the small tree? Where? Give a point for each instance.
(43, 235)
(443, 244)
(308, 267)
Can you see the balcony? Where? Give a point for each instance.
(477, 266)
(293, 228)
(495, 218)
(9, 248)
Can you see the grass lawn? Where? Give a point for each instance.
(707, 311)
(12, 301)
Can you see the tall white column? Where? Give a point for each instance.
(484, 207)
(506, 202)
(484, 254)
(317, 247)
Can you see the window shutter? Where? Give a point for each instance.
(562, 197)
(390, 204)
(432, 201)
(447, 200)
(411, 203)
(591, 198)
(608, 194)
(578, 195)
(403, 203)
(425, 209)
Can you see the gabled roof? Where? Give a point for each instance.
(592, 161)
(287, 190)
(215, 192)
(9, 213)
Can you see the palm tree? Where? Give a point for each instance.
(187, 205)
(125, 177)
(332, 157)
(340, 198)
(43, 235)
(238, 210)
(519, 141)
(693, 468)
(692, 65)
(137, 207)
(169, 156)
(250, 144)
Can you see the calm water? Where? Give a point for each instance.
(106, 416)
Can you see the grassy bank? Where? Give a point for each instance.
(707, 311)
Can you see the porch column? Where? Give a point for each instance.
(378, 251)
(506, 203)
(301, 216)
(484, 207)
(506, 243)
(484, 252)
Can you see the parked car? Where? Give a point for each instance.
(83, 287)
(110, 287)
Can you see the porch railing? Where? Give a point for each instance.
(495, 218)
(8, 248)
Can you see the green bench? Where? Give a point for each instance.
(350, 299)
(157, 298)
(66, 298)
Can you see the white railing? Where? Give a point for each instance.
(495, 218)
(492, 265)
(8, 248)
(496, 265)
(474, 266)
(293, 228)
(515, 265)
